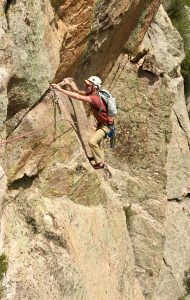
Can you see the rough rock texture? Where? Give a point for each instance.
(172, 283)
(4, 74)
(111, 29)
(61, 220)
(70, 232)
(168, 44)
(34, 49)
(137, 153)
(72, 244)
(176, 259)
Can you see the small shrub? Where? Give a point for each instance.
(180, 22)
(3, 265)
(181, 298)
(3, 270)
(129, 214)
(187, 2)
(186, 72)
(1, 291)
(186, 281)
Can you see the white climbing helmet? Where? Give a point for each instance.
(95, 80)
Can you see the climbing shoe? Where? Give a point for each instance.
(98, 166)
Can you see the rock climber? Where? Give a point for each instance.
(99, 110)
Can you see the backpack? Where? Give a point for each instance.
(110, 102)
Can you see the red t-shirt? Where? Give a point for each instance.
(96, 105)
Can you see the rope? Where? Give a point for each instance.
(26, 135)
(34, 132)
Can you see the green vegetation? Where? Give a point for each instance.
(129, 214)
(97, 7)
(186, 72)
(181, 298)
(3, 270)
(174, 7)
(3, 265)
(186, 281)
(181, 21)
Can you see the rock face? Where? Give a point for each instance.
(68, 231)
(175, 266)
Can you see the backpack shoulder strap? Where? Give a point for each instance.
(100, 110)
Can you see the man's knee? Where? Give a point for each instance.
(91, 143)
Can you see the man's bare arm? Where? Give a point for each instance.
(73, 95)
(67, 81)
(77, 91)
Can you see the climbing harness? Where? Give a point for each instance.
(112, 135)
